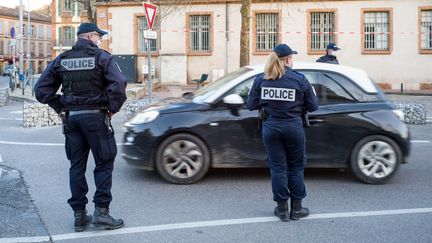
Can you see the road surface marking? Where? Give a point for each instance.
(11, 119)
(213, 223)
(1, 159)
(39, 144)
(420, 141)
(120, 144)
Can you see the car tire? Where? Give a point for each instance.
(375, 159)
(182, 159)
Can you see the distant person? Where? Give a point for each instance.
(331, 54)
(93, 90)
(281, 94)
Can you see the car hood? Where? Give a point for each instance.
(173, 105)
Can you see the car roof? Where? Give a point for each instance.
(359, 76)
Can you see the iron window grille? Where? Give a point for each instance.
(267, 31)
(322, 30)
(376, 31)
(426, 29)
(199, 34)
(142, 44)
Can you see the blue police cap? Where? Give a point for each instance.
(332, 46)
(282, 50)
(90, 27)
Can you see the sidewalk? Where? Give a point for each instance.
(160, 93)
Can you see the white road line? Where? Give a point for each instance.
(39, 144)
(1, 159)
(11, 119)
(213, 223)
(420, 141)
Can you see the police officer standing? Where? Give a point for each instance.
(331, 54)
(281, 94)
(93, 90)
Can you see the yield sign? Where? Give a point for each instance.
(150, 11)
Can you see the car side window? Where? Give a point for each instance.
(243, 88)
(328, 90)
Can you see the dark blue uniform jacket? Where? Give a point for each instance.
(50, 81)
(328, 59)
(284, 97)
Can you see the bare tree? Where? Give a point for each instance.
(244, 34)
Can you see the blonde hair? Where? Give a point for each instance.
(275, 66)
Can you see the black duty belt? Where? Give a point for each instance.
(80, 112)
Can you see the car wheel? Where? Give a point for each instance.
(375, 159)
(182, 159)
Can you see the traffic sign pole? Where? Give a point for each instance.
(150, 11)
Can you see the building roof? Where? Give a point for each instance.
(14, 12)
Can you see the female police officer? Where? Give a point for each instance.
(281, 93)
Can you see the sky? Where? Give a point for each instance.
(34, 4)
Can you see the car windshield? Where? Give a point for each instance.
(203, 93)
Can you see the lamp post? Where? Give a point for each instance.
(21, 44)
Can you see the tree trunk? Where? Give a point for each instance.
(89, 11)
(245, 35)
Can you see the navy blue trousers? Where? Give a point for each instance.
(284, 140)
(83, 133)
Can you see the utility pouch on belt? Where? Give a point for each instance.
(108, 124)
(305, 118)
(63, 116)
(262, 114)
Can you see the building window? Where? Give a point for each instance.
(1, 28)
(266, 28)
(33, 31)
(1, 48)
(142, 43)
(199, 33)
(67, 36)
(41, 50)
(322, 28)
(425, 29)
(48, 48)
(41, 31)
(48, 29)
(33, 49)
(377, 31)
(68, 5)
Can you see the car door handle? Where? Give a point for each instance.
(312, 121)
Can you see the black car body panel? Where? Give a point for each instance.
(233, 138)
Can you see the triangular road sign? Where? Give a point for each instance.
(150, 11)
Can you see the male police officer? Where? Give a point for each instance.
(331, 54)
(93, 89)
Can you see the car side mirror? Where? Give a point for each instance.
(234, 102)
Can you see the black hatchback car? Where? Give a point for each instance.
(355, 127)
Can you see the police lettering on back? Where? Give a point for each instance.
(74, 64)
(281, 94)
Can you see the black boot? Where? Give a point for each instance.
(297, 211)
(102, 219)
(282, 211)
(81, 220)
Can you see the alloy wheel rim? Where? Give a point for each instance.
(377, 159)
(182, 159)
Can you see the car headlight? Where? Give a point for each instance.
(399, 114)
(144, 117)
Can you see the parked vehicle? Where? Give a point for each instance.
(355, 127)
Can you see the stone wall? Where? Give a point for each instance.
(39, 115)
(4, 96)
(414, 113)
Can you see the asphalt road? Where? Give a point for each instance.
(227, 206)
